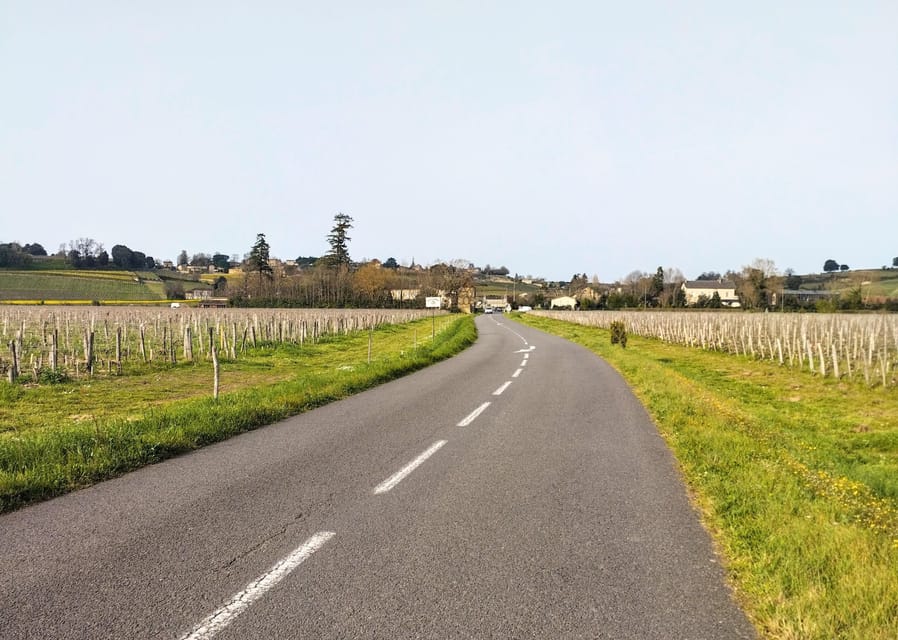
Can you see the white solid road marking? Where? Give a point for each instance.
(498, 392)
(531, 348)
(516, 373)
(473, 415)
(257, 588)
(400, 475)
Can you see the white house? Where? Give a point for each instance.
(563, 302)
(198, 293)
(726, 290)
(404, 294)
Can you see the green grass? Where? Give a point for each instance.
(59, 437)
(498, 288)
(877, 283)
(39, 263)
(77, 285)
(796, 478)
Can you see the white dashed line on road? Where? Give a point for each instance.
(473, 415)
(498, 392)
(257, 588)
(400, 475)
(516, 373)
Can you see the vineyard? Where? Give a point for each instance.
(79, 285)
(842, 346)
(43, 342)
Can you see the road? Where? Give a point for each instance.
(518, 490)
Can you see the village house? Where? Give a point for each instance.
(563, 302)
(725, 290)
(402, 295)
(198, 293)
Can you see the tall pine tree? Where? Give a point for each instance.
(338, 240)
(258, 259)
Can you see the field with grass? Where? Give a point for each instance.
(59, 432)
(872, 283)
(795, 475)
(77, 284)
(879, 284)
(842, 346)
(506, 289)
(47, 341)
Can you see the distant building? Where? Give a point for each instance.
(213, 303)
(563, 302)
(198, 293)
(805, 296)
(589, 293)
(401, 295)
(725, 290)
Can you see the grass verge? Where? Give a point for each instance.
(57, 438)
(796, 478)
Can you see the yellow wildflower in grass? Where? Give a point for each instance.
(856, 499)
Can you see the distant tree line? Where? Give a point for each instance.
(831, 265)
(13, 255)
(334, 280)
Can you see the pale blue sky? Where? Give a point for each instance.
(550, 137)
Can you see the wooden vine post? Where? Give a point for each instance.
(118, 350)
(215, 367)
(89, 352)
(14, 366)
(54, 350)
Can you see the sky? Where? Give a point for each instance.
(551, 138)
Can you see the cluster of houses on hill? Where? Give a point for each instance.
(695, 293)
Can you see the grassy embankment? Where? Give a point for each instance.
(59, 437)
(78, 285)
(796, 478)
(875, 283)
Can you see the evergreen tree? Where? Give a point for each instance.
(221, 262)
(258, 259)
(657, 287)
(337, 239)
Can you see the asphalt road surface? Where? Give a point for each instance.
(518, 490)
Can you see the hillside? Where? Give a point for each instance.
(873, 283)
(83, 285)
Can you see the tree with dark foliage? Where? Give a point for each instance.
(338, 240)
(258, 259)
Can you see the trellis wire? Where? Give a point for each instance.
(842, 346)
(85, 340)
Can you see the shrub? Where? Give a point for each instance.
(48, 376)
(619, 333)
